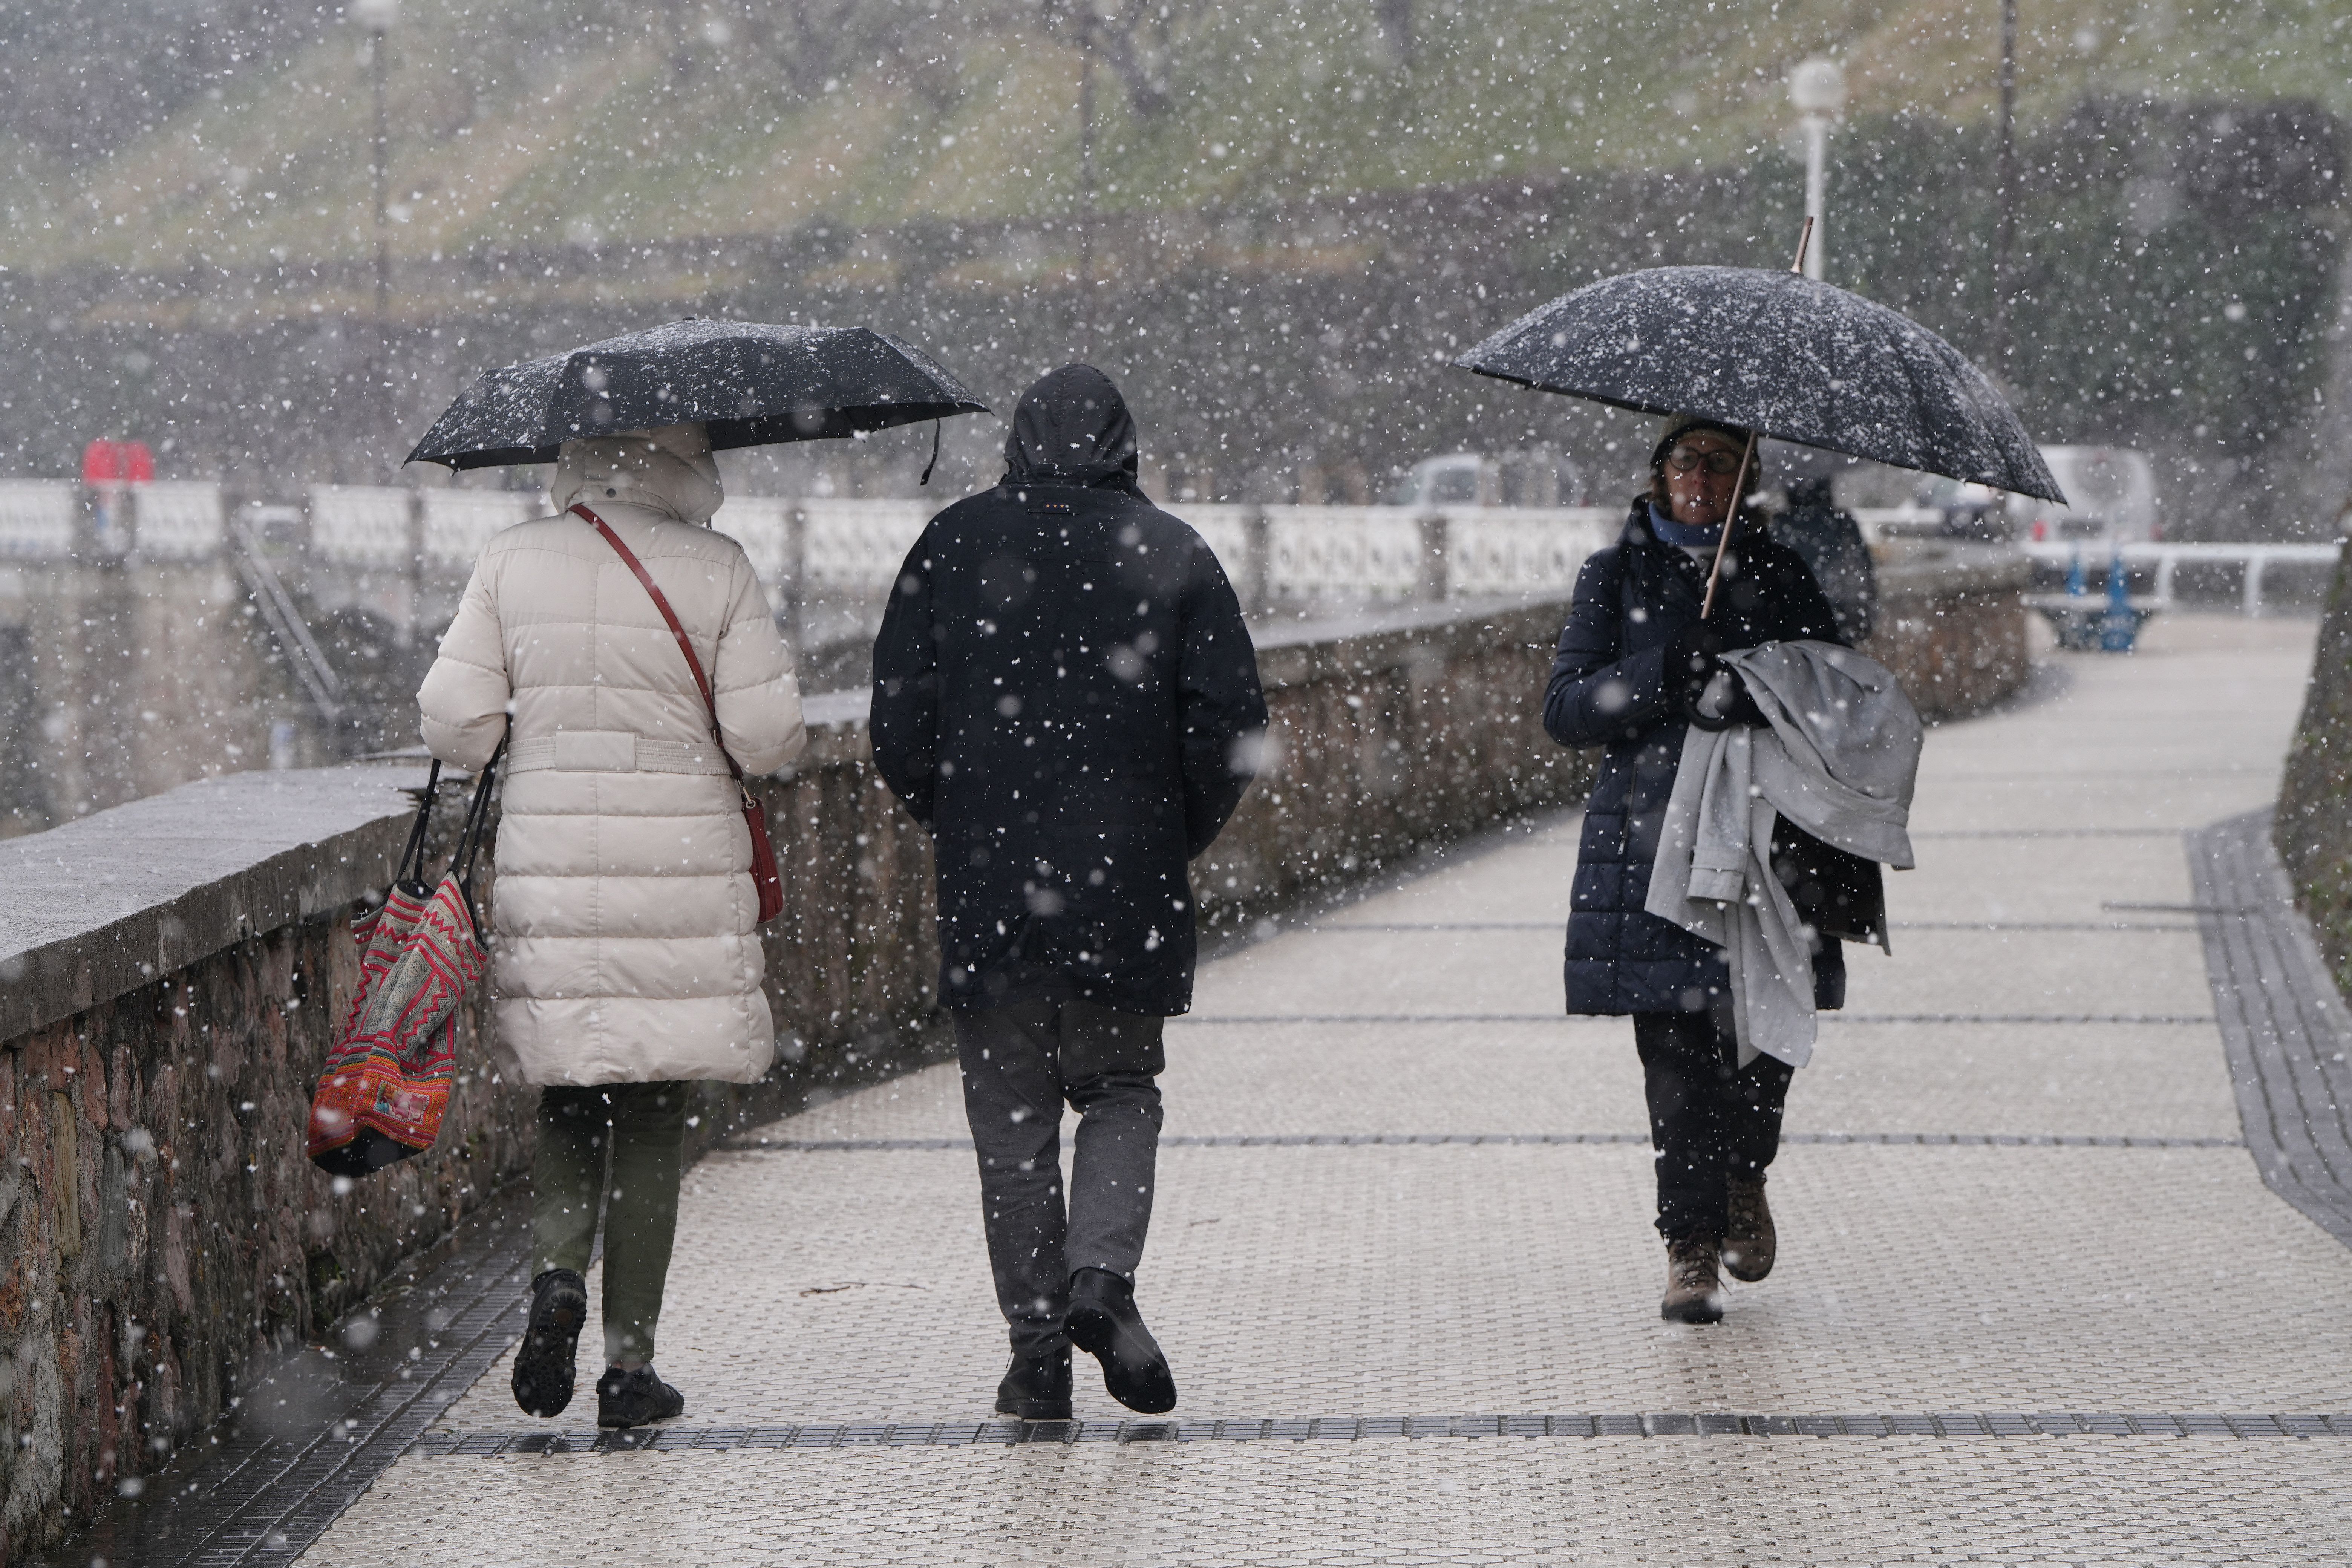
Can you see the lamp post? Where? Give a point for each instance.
(1086, 179)
(1817, 89)
(377, 17)
(2004, 233)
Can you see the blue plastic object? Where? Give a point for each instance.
(2119, 627)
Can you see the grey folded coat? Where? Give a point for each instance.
(1838, 758)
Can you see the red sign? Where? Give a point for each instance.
(109, 462)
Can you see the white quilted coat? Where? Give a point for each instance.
(623, 948)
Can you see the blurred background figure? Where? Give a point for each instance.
(1809, 521)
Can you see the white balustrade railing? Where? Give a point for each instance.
(1513, 550)
(179, 519)
(362, 525)
(36, 518)
(857, 547)
(1360, 552)
(458, 523)
(846, 550)
(762, 525)
(1225, 530)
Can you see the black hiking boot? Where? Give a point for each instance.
(1036, 1387)
(1103, 1324)
(543, 1366)
(636, 1399)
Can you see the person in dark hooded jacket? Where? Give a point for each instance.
(1066, 699)
(1636, 666)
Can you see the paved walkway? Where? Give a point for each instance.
(1400, 1185)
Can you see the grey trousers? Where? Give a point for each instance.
(1020, 1063)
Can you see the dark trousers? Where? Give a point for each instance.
(620, 1146)
(1020, 1063)
(1709, 1118)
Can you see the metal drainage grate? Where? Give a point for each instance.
(1356, 1428)
(756, 1145)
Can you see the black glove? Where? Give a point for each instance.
(1693, 656)
(1726, 702)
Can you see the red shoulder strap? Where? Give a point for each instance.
(629, 558)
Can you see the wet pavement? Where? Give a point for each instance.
(2033, 1298)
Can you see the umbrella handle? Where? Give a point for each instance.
(1738, 491)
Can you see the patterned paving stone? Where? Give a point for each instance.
(2070, 1352)
(1894, 1501)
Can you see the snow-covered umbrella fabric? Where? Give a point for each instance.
(1780, 354)
(749, 382)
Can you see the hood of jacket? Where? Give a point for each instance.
(669, 469)
(1072, 427)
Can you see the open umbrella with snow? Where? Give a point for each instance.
(749, 382)
(1780, 354)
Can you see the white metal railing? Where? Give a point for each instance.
(2255, 560)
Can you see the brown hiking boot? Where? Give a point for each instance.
(1694, 1290)
(1749, 1239)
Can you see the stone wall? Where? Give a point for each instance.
(1951, 623)
(2313, 829)
(172, 969)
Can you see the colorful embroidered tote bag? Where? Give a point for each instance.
(388, 1078)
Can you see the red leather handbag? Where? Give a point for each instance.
(763, 852)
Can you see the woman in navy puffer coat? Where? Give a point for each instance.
(1636, 666)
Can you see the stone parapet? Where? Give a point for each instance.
(1951, 623)
(172, 972)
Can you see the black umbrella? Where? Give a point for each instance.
(1780, 354)
(749, 383)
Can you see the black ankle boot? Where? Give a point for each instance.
(1036, 1387)
(635, 1398)
(1104, 1324)
(543, 1365)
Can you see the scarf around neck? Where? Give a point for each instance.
(1690, 536)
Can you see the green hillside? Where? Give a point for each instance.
(529, 123)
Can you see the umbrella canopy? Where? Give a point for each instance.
(1780, 354)
(749, 382)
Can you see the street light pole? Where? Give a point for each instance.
(2004, 235)
(1817, 89)
(378, 16)
(1086, 180)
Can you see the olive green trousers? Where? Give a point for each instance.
(622, 1146)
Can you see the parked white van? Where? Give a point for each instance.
(2110, 492)
(1538, 476)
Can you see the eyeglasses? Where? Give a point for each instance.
(1683, 459)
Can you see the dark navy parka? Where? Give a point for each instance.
(1065, 696)
(1609, 688)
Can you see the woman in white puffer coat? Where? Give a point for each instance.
(624, 959)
